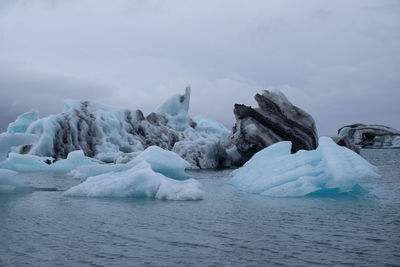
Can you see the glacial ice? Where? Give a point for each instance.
(139, 181)
(175, 109)
(30, 163)
(23, 121)
(273, 171)
(8, 141)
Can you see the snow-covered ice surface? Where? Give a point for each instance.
(330, 169)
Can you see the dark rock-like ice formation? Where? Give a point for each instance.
(275, 120)
(371, 135)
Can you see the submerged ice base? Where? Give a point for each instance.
(331, 168)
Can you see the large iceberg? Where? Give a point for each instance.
(155, 173)
(115, 135)
(274, 171)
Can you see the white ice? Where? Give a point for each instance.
(31, 163)
(139, 181)
(273, 171)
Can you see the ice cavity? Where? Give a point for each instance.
(31, 163)
(145, 176)
(273, 171)
(176, 109)
(23, 121)
(8, 141)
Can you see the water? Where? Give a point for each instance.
(227, 228)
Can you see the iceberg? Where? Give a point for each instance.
(139, 181)
(154, 173)
(371, 135)
(274, 171)
(118, 135)
(30, 163)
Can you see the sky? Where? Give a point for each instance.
(338, 60)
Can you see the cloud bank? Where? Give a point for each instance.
(338, 60)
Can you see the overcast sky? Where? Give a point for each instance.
(338, 60)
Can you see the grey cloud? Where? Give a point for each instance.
(337, 60)
(22, 89)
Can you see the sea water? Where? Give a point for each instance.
(42, 227)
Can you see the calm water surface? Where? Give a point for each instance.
(227, 228)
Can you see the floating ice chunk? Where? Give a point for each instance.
(273, 171)
(7, 141)
(175, 109)
(211, 127)
(23, 121)
(166, 162)
(138, 181)
(162, 161)
(9, 181)
(31, 163)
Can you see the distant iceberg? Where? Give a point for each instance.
(273, 171)
(371, 135)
